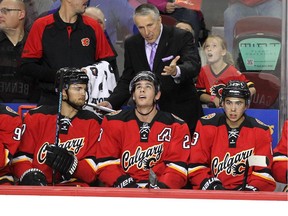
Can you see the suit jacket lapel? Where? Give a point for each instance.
(141, 51)
(161, 49)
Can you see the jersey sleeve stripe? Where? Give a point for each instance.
(21, 159)
(101, 165)
(178, 168)
(266, 176)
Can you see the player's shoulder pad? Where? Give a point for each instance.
(215, 119)
(254, 122)
(177, 119)
(7, 110)
(44, 109)
(168, 118)
(123, 115)
(88, 114)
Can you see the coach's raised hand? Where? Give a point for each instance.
(171, 70)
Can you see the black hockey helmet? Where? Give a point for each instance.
(70, 76)
(145, 75)
(237, 89)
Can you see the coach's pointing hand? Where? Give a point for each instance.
(171, 69)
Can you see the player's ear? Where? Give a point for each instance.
(64, 95)
(158, 95)
(133, 96)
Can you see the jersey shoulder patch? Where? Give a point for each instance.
(178, 119)
(7, 110)
(168, 118)
(215, 119)
(258, 123)
(209, 116)
(10, 110)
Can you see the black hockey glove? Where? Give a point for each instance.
(249, 188)
(125, 181)
(33, 177)
(61, 160)
(212, 183)
(159, 185)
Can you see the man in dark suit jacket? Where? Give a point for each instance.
(176, 63)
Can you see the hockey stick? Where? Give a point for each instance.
(100, 107)
(58, 123)
(152, 179)
(254, 160)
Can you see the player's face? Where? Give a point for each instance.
(144, 94)
(213, 50)
(149, 27)
(234, 109)
(77, 94)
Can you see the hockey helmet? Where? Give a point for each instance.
(145, 75)
(237, 89)
(70, 76)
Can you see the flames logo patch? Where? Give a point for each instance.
(85, 41)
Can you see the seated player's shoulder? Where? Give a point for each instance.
(256, 123)
(215, 119)
(169, 118)
(123, 115)
(7, 110)
(87, 114)
(44, 109)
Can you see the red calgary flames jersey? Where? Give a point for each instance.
(128, 146)
(280, 159)
(78, 135)
(10, 134)
(221, 152)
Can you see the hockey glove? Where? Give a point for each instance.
(212, 183)
(61, 160)
(159, 185)
(249, 188)
(33, 177)
(125, 181)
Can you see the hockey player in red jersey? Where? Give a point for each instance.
(73, 156)
(280, 157)
(10, 134)
(135, 141)
(222, 143)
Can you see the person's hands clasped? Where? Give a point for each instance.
(171, 69)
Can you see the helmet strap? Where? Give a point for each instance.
(145, 114)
